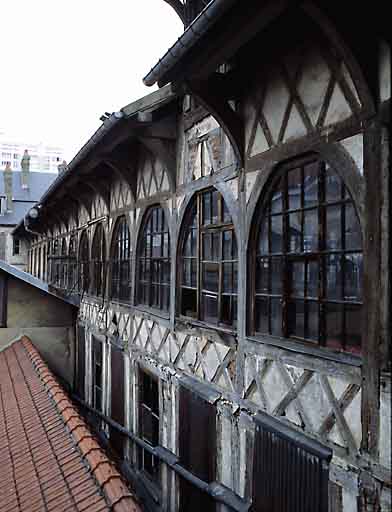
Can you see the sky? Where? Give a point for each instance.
(64, 63)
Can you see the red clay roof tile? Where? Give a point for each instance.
(45, 445)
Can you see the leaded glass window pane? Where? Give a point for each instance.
(308, 263)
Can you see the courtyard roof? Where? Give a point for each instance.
(50, 459)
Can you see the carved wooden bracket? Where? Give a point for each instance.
(210, 97)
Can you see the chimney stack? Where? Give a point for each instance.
(62, 167)
(8, 186)
(25, 165)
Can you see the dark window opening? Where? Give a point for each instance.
(81, 362)
(98, 260)
(15, 246)
(197, 449)
(208, 272)
(117, 398)
(121, 262)
(148, 422)
(97, 374)
(308, 263)
(154, 261)
(72, 263)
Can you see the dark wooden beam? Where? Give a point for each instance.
(179, 8)
(210, 96)
(165, 151)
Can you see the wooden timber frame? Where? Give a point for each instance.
(222, 99)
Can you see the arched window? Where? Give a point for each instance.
(208, 272)
(121, 262)
(98, 258)
(55, 276)
(307, 259)
(44, 276)
(72, 264)
(154, 260)
(83, 263)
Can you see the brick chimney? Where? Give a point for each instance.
(8, 186)
(25, 165)
(62, 167)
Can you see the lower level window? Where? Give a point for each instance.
(97, 384)
(148, 421)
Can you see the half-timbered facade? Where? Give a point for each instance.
(229, 239)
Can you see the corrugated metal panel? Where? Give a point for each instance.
(197, 449)
(290, 472)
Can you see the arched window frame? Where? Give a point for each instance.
(316, 254)
(120, 262)
(153, 260)
(98, 261)
(214, 227)
(84, 263)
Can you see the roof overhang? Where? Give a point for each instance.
(37, 283)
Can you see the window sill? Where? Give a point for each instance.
(307, 349)
(214, 331)
(154, 312)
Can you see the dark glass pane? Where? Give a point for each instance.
(261, 315)
(156, 246)
(188, 302)
(210, 308)
(334, 326)
(312, 332)
(312, 279)
(296, 319)
(311, 184)
(193, 242)
(263, 237)
(353, 267)
(333, 228)
(210, 277)
(166, 246)
(295, 232)
(333, 275)
(298, 278)
(215, 206)
(276, 317)
(98, 375)
(216, 246)
(294, 184)
(146, 424)
(353, 229)
(262, 275)
(276, 276)
(186, 266)
(98, 399)
(277, 198)
(333, 186)
(228, 309)
(207, 246)
(227, 245)
(193, 272)
(206, 202)
(311, 224)
(353, 328)
(276, 233)
(228, 278)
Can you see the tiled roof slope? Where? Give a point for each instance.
(50, 461)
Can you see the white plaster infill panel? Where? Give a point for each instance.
(354, 147)
(250, 180)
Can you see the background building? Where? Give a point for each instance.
(19, 191)
(43, 157)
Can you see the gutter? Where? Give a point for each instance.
(200, 26)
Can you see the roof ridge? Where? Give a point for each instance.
(115, 490)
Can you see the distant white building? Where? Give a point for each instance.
(43, 157)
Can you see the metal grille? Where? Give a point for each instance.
(290, 472)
